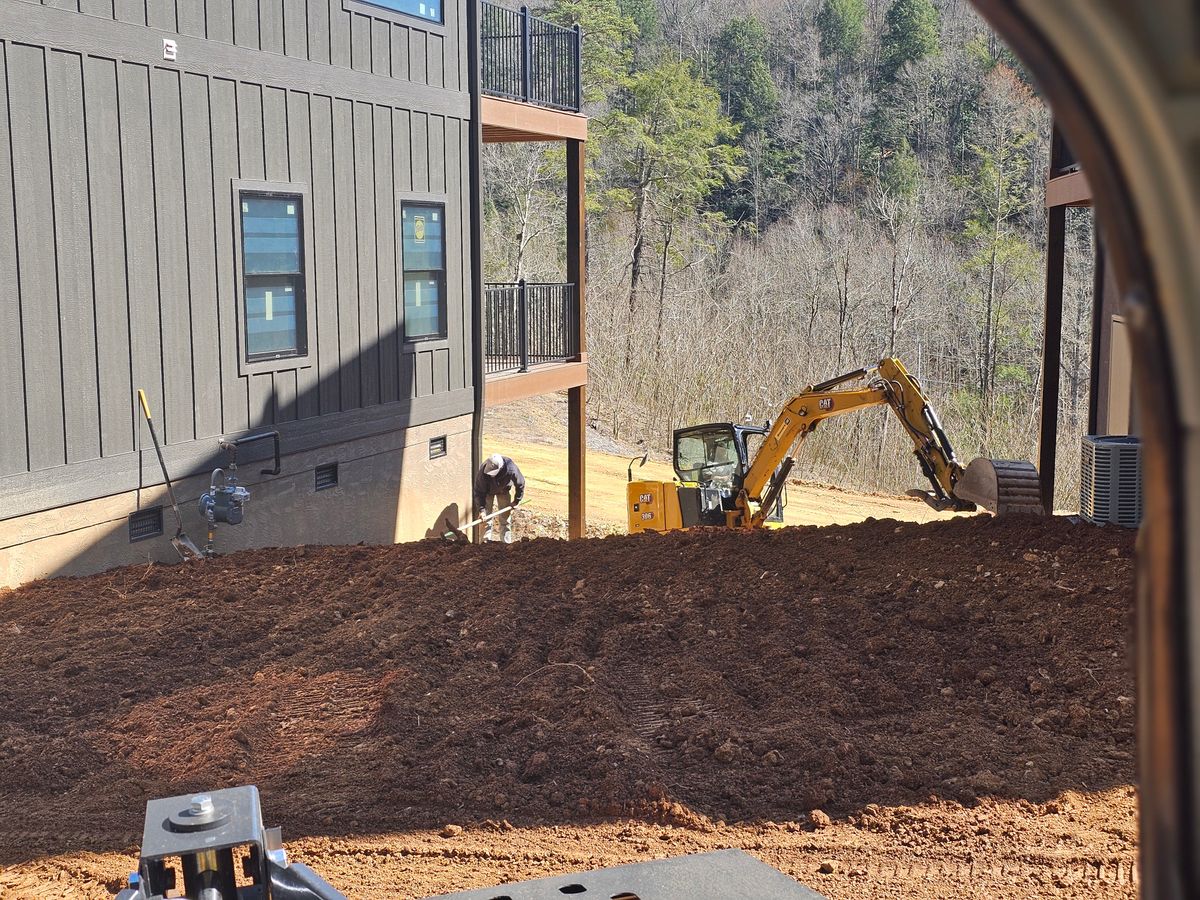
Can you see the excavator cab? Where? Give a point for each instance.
(709, 455)
(710, 461)
(710, 464)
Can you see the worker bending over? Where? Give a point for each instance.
(494, 485)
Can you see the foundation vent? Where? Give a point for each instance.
(1110, 485)
(327, 476)
(145, 524)
(437, 447)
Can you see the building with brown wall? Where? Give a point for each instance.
(266, 215)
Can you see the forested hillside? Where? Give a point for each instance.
(783, 190)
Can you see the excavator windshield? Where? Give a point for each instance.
(707, 454)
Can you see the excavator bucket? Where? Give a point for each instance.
(1002, 486)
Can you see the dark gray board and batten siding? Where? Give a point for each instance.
(118, 259)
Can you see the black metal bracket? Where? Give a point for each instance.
(232, 448)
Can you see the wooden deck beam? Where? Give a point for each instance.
(1068, 190)
(509, 121)
(544, 379)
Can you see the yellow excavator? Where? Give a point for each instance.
(735, 476)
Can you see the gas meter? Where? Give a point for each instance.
(225, 500)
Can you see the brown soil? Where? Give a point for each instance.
(953, 698)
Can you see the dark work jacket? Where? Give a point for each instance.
(508, 476)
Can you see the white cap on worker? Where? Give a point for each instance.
(493, 464)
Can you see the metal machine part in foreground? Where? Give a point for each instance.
(722, 875)
(203, 831)
(208, 833)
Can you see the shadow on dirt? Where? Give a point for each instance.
(680, 679)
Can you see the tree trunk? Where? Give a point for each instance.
(523, 236)
(897, 292)
(641, 209)
(990, 342)
(668, 231)
(813, 309)
(758, 164)
(883, 436)
(843, 308)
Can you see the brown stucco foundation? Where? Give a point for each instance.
(388, 490)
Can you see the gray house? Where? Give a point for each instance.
(265, 214)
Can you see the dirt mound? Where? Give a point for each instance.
(690, 679)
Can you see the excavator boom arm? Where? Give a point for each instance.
(799, 417)
(890, 384)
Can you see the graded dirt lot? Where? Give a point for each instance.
(940, 710)
(545, 469)
(533, 432)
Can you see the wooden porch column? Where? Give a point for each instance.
(1099, 309)
(577, 396)
(1056, 233)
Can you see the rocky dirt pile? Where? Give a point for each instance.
(688, 679)
(531, 524)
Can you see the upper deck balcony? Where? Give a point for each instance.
(531, 77)
(530, 60)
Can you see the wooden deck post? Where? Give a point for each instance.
(577, 396)
(1099, 308)
(1056, 220)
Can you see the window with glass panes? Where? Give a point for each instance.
(429, 10)
(273, 276)
(424, 252)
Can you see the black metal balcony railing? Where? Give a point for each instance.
(1062, 160)
(528, 324)
(529, 59)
